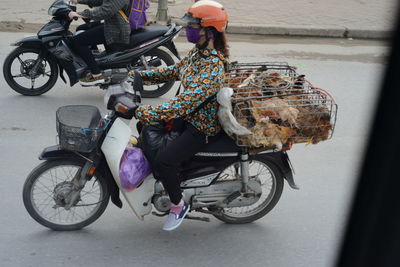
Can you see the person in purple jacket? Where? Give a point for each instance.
(120, 17)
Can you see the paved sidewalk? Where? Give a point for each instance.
(371, 19)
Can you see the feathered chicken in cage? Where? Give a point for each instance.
(273, 80)
(274, 109)
(279, 106)
(314, 124)
(267, 134)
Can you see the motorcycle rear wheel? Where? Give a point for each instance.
(47, 184)
(16, 75)
(271, 180)
(166, 60)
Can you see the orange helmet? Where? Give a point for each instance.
(207, 13)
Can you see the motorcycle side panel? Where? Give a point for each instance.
(113, 147)
(73, 65)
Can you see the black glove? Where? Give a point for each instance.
(132, 112)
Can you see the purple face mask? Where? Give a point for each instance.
(193, 34)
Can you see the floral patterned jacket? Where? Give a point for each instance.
(202, 75)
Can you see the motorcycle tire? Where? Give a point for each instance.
(168, 60)
(270, 202)
(10, 79)
(48, 171)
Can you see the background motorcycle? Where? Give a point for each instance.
(72, 187)
(33, 67)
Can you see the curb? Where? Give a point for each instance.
(252, 29)
(290, 30)
(309, 31)
(369, 34)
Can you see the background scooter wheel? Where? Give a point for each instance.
(15, 74)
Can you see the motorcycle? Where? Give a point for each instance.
(34, 66)
(73, 185)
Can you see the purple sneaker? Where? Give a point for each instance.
(175, 217)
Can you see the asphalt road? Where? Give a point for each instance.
(304, 228)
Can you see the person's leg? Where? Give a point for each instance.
(167, 164)
(87, 26)
(168, 161)
(92, 36)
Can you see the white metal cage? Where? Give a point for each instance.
(279, 106)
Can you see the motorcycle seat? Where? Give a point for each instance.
(224, 144)
(148, 33)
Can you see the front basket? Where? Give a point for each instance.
(79, 127)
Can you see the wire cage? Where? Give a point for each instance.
(79, 127)
(279, 107)
(265, 75)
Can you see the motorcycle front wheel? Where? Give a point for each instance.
(271, 181)
(46, 191)
(27, 73)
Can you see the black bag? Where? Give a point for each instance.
(155, 137)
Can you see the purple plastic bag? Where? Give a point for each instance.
(133, 169)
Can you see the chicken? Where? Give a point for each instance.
(314, 123)
(235, 78)
(274, 109)
(267, 134)
(247, 81)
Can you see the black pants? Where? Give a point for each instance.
(87, 26)
(169, 160)
(92, 36)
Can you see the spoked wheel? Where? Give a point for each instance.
(271, 181)
(27, 73)
(157, 58)
(48, 187)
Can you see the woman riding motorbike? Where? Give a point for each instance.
(115, 30)
(201, 73)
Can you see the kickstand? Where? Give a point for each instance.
(203, 219)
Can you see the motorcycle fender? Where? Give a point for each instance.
(171, 46)
(31, 41)
(113, 147)
(55, 152)
(281, 160)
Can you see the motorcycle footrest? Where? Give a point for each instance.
(159, 214)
